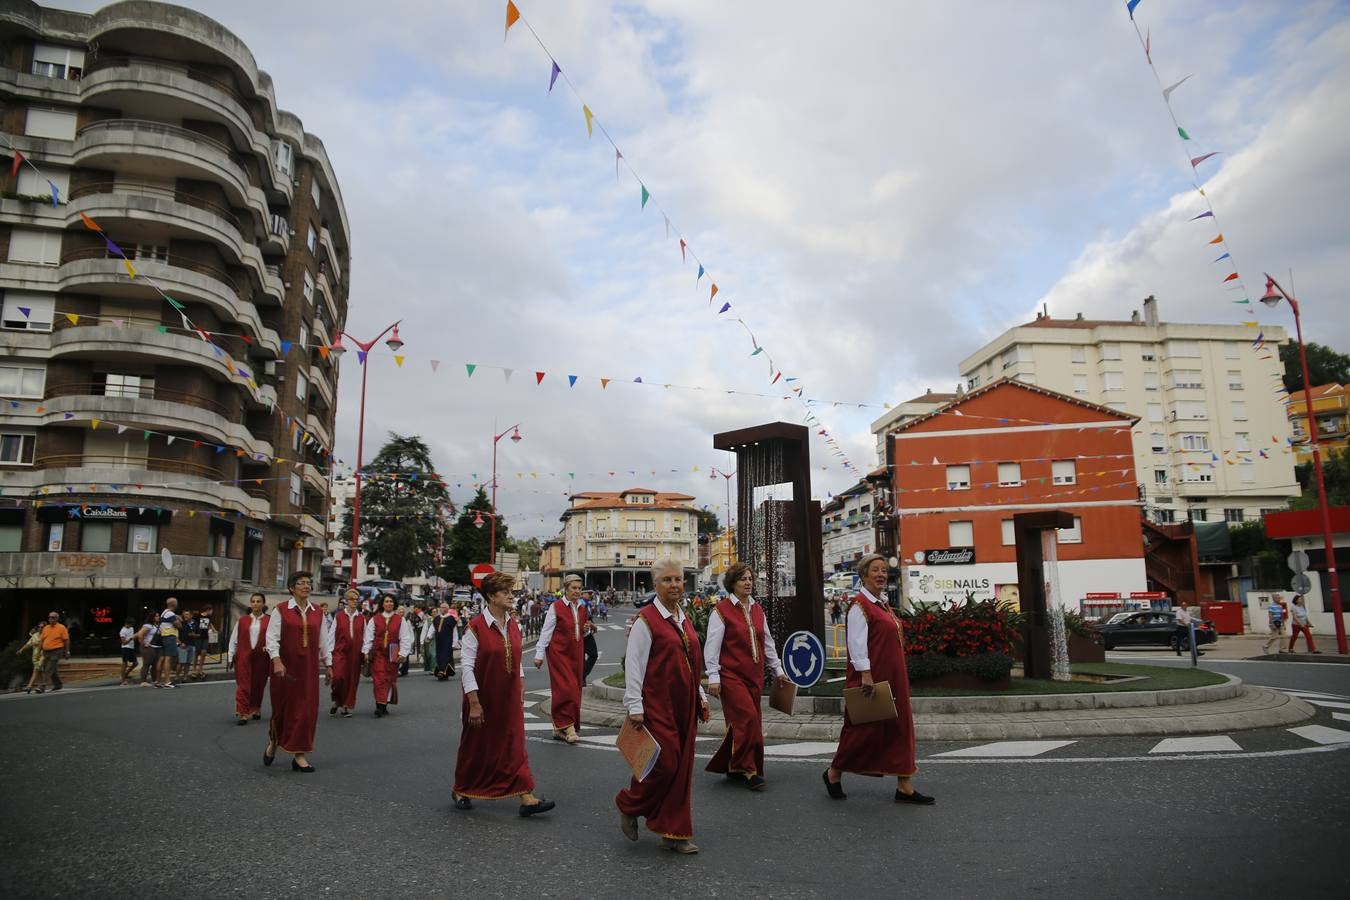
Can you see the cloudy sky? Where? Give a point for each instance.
(878, 190)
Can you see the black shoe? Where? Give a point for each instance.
(915, 798)
(296, 767)
(332, 710)
(754, 782)
(346, 713)
(268, 759)
(242, 722)
(835, 788)
(463, 803)
(535, 809)
(257, 715)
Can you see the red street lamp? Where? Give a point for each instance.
(1274, 293)
(395, 343)
(515, 439)
(492, 538)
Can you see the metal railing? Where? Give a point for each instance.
(140, 392)
(142, 189)
(176, 262)
(99, 63)
(146, 463)
(150, 127)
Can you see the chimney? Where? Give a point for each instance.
(1078, 318)
(1151, 311)
(1134, 316)
(927, 391)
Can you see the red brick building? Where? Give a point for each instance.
(960, 473)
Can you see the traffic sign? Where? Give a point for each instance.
(1300, 583)
(479, 572)
(803, 658)
(1298, 561)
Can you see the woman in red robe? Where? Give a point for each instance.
(740, 647)
(563, 639)
(491, 763)
(662, 668)
(345, 639)
(876, 652)
(387, 643)
(248, 655)
(296, 644)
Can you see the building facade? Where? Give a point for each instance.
(551, 564)
(1331, 409)
(722, 553)
(890, 421)
(962, 472)
(1212, 442)
(612, 539)
(846, 523)
(173, 250)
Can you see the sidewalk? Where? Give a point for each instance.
(1248, 646)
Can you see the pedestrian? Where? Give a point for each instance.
(187, 646)
(345, 637)
(386, 645)
(168, 643)
(1299, 622)
(662, 694)
(202, 638)
(127, 637)
(591, 651)
(444, 642)
(296, 646)
(55, 641)
(428, 634)
(1275, 624)
(34, 647)
(740, 648)
(1184, 636)
(148, 637)
(561, 640)
(491, 763)
(248, 655)
(876, 653)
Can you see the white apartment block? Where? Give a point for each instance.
(846, 524)
(891, 420)
(612, 538)
(1212, 443)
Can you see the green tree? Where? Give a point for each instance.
(467, 544)
(1336, 473)
(529, 551)
(707, 522)
(401, 503)
(1325, 366)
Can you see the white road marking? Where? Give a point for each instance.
(802, 748)
(1322, 734)
(1216, 743)
(1295, 693)
(1344, 717)
(538, 726)
(1328, 704)
(546, 692)
(1007, 748)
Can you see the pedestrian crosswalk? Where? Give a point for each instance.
(1212, 743)
(1009, 748)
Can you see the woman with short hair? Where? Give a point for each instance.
(388, 642)
(491, 763)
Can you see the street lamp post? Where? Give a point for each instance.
(492, 542)
(395, 343)
(1274, 293)
(492, 536)
(727, 476)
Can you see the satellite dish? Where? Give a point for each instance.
(166, 558)
(215, 566)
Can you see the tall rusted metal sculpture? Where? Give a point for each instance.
(1029, 535)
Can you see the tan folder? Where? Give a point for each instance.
(876, 708)
(782, 695)
(640, 750)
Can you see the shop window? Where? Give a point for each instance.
(11, 538)
(142, 538)
(96, 537)
(56, 537)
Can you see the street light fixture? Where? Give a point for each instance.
(515, 439)
(1274, 294)
(336, 349)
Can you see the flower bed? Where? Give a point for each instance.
(973, 639)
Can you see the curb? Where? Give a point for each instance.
(1334, 658)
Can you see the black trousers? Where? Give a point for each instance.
(592, 654)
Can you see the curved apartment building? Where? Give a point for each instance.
(123, 432)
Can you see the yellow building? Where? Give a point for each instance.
(1331, 409)
(551, 564)
(612, 538)
(723, 553)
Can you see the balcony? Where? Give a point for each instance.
(329, 297)
(147, 479)
(316, 425)
(628, 537)
(318, 384)
(79, 569)
(130, 346)
(326, 249)
(314, 478)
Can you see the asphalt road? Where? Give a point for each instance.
(125, 791)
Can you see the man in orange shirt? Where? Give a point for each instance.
(55, 647)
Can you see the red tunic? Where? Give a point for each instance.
(886, 747)
(491, 764)
(566, 662)
(251, 666)
(295, 697)
(670, 706)
(742, 674)
(384, 658)
(348, 633)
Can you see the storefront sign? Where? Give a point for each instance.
(144, 515)
(1097, 595)
(101, 615)
(253, 534)
(1145, 595)
(81, 562)
(950, 556)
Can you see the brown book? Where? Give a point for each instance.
(876, 708)
(781, 696)
(640, 750)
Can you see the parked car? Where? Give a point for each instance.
(386, 586)
(1151, 628)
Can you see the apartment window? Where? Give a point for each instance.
(55, 61)
(142, 538)
(1199, 514)
(304, 336)
(152, 252)
(1113, 381)
(284, 566)
(1231, 350)
(295, 494)
(1193, 440)
(1078, 354)
(1164, 516)
(1160, 476)
(1183, 348)
(1234, 380)
(314, 190)
(22, 381)
(1110, 351)
(1006, 526)
(34, 183)
(1247, 472)
(1146, 355)
(49, 122)
(1233, 515)
(973, 382)
(16, 448)
(1080, 384)
(958, 478)
(115, 385)
(1064, 471)
(1150, 381)
(1009, 474)
(1118, 407)
(301, 386)
(96, 537)
(56, 537)
(1155, 412)
(312, 241)
(28, 245)
(1189, 475)
(1072, 535)
(1184, 410)
(285, 157)
(1242, 442)
(1157, 442)
(1186, 378)
(960, 534)
(1239, 409)
(1009, 358)
(307, 286)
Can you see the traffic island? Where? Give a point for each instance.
(1225, 706)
